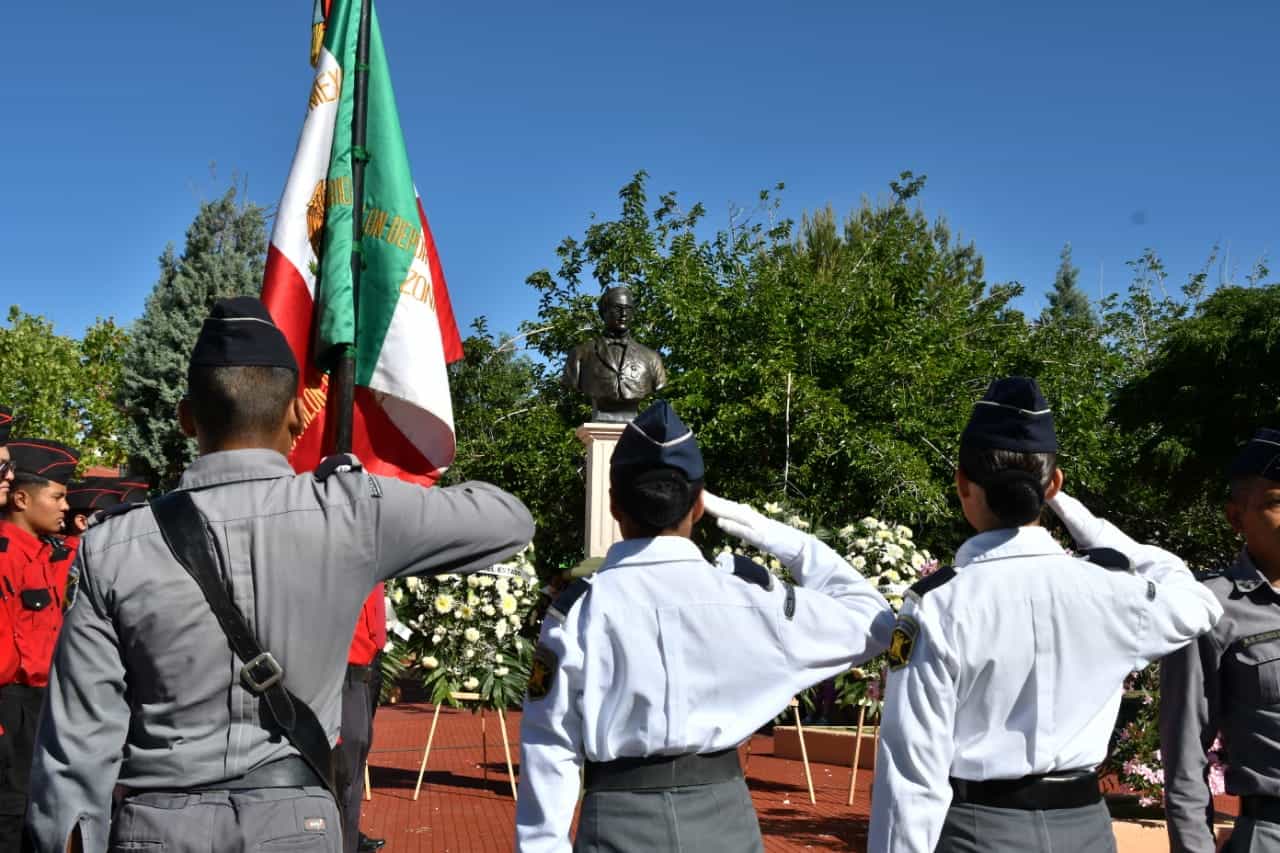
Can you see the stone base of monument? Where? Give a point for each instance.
(601, 530)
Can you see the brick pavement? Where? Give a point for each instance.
(462, 811)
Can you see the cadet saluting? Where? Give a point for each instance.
(1229, 680)
(654, 670)
(1006, 672)
(146, 689)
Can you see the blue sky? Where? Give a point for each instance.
(1115, 126)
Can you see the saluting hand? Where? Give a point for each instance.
(760, 531)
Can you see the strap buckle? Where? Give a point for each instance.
(261, 674)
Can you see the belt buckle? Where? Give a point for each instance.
(261, 674)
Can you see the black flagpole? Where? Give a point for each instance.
(345, 372)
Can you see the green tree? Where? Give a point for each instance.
(224, 256)
(62, 388)
(1067, 302)
(510, 432)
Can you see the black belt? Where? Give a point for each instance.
(362, 674)
(662, 771)
(1261, 808)
(290, 772)
(1030, 793)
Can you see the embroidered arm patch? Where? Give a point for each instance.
(903, 642)
(542, 673)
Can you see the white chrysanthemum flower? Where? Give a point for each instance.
(486, 581)
(473, 599)
(436, 639)
(429, 662)
(518, 643)
(488, 610)
(473, 581)
(466, 611)
(773, 509)
(471, 635)
(894, 551)
(859, 562)
(446, 578)
(503, 586)
(471, 683)
(847, 531)
(498, 658)
(883, 535)
(903, 531)
(514, 620)
(444, 603)
(890, 577)
(397, 596)
(501, 671)
(508, 604)
(862, 543)
(469, 654)
(917, 560)
(870, 521)
(500, 629)
(412, 583)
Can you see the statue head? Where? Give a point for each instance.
(615, 309)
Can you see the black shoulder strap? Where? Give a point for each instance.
(931, 582)
(569, 597)
(1108, 558)
(183, 528)
(744, 568)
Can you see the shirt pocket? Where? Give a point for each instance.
(1257, 668)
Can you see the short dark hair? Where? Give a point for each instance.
(654, 499)
(1242, 486)
(237, 401)
(1014, 482)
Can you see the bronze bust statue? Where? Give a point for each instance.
(614, 371)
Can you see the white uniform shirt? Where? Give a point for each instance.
(668, 654)
(1018, 666)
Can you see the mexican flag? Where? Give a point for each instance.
(400, 322)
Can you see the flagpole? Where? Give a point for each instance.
(345, 372)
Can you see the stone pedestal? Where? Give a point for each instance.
(601, 530)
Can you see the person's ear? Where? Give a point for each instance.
(1234, 513)
(963, 485)
(186, 418)
(613, 506)
(296, 418)
(1055, 484)
(698, 508)
(19, 500)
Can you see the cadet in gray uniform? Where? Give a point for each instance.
(1229, 681)
(145, 690)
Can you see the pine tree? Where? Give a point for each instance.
(1067, 301)
(224, 256)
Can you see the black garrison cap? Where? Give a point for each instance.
(94, 493)
(657, 438)
(6, 423)
(39, 457)
(1012, 415)
(1260, 457)
(239, 332)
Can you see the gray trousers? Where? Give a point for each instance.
(357, 735)
(1253, 836)
(716, 818)
(984, 829)
(299, 820)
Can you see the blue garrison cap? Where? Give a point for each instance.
(239, 332)
(657, 438)
(1260, 457)
(1012, 415)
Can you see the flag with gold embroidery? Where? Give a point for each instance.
(400, 322)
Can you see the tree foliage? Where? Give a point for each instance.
(1067, 302)
(63, 388)
(224, 256)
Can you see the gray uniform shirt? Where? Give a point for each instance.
(1229, 682)
(144, 687)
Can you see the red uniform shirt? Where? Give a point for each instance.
(34, 573)
(371, 629)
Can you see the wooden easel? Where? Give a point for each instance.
(857, 751)
(804, 752)
(484, 743)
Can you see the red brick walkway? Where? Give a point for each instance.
(460, 811)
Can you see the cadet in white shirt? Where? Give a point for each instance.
(1006, 672)
(648, 675)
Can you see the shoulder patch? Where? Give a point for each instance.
(542, 672)
(932, 582)
(568, 598)
(903, 641)
(338, 463)
(1108, 558)
(752, 572)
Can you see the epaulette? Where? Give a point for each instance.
(1203, 575)
(119, 509)
(338, 463)
(1108, 558)
(931, 582)
(568, 597)
(752, 572)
